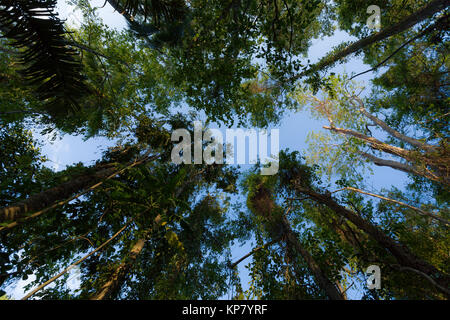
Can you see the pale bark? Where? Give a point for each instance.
(373, 142)
(422, 212)
(413, 142)
(111, 288)
(113, 285)
(432, 168)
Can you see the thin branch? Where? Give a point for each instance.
(76, 263)
(422, 212)
(414, 142)
(233, 265)
(441, 21)
(431, 280)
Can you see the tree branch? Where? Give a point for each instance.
(422, 212)
(413, 142)
(374, 143)
(424, 13)
(233, 265)
(76, 263)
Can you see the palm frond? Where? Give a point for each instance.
(49, 63)
(159, 11)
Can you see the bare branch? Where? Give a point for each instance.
(374, 143)
(422, 212)
(413, 142)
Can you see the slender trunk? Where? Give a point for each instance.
(341, 290)
(426, 12)
(295, 246)
(113, 285)
(402, 167)
(399, 251)
(48, 197)
(76, 263)
(233, 265)
(111, 288)
(279, 228)
(422, 212)
(59, 195)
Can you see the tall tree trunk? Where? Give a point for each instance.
(279, 228)
(59, 195)
(46, 198)
(426, 12)
(111, 288)
(399, 251)
(294, 246)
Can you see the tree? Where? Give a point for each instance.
(49, 63)
(343, 239)
(136, 226)
(420, 15)
(341, 107)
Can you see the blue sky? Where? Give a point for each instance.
(294, 127)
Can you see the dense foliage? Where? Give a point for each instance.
(133, 225)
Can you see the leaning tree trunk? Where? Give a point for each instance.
(426, 12)
(402, 254)
(264, 206)
(48, 197)
(294, 246)
(111, 288)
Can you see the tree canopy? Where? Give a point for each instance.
(134, 225)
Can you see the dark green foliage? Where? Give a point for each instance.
(49, 63)
(235, 62)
